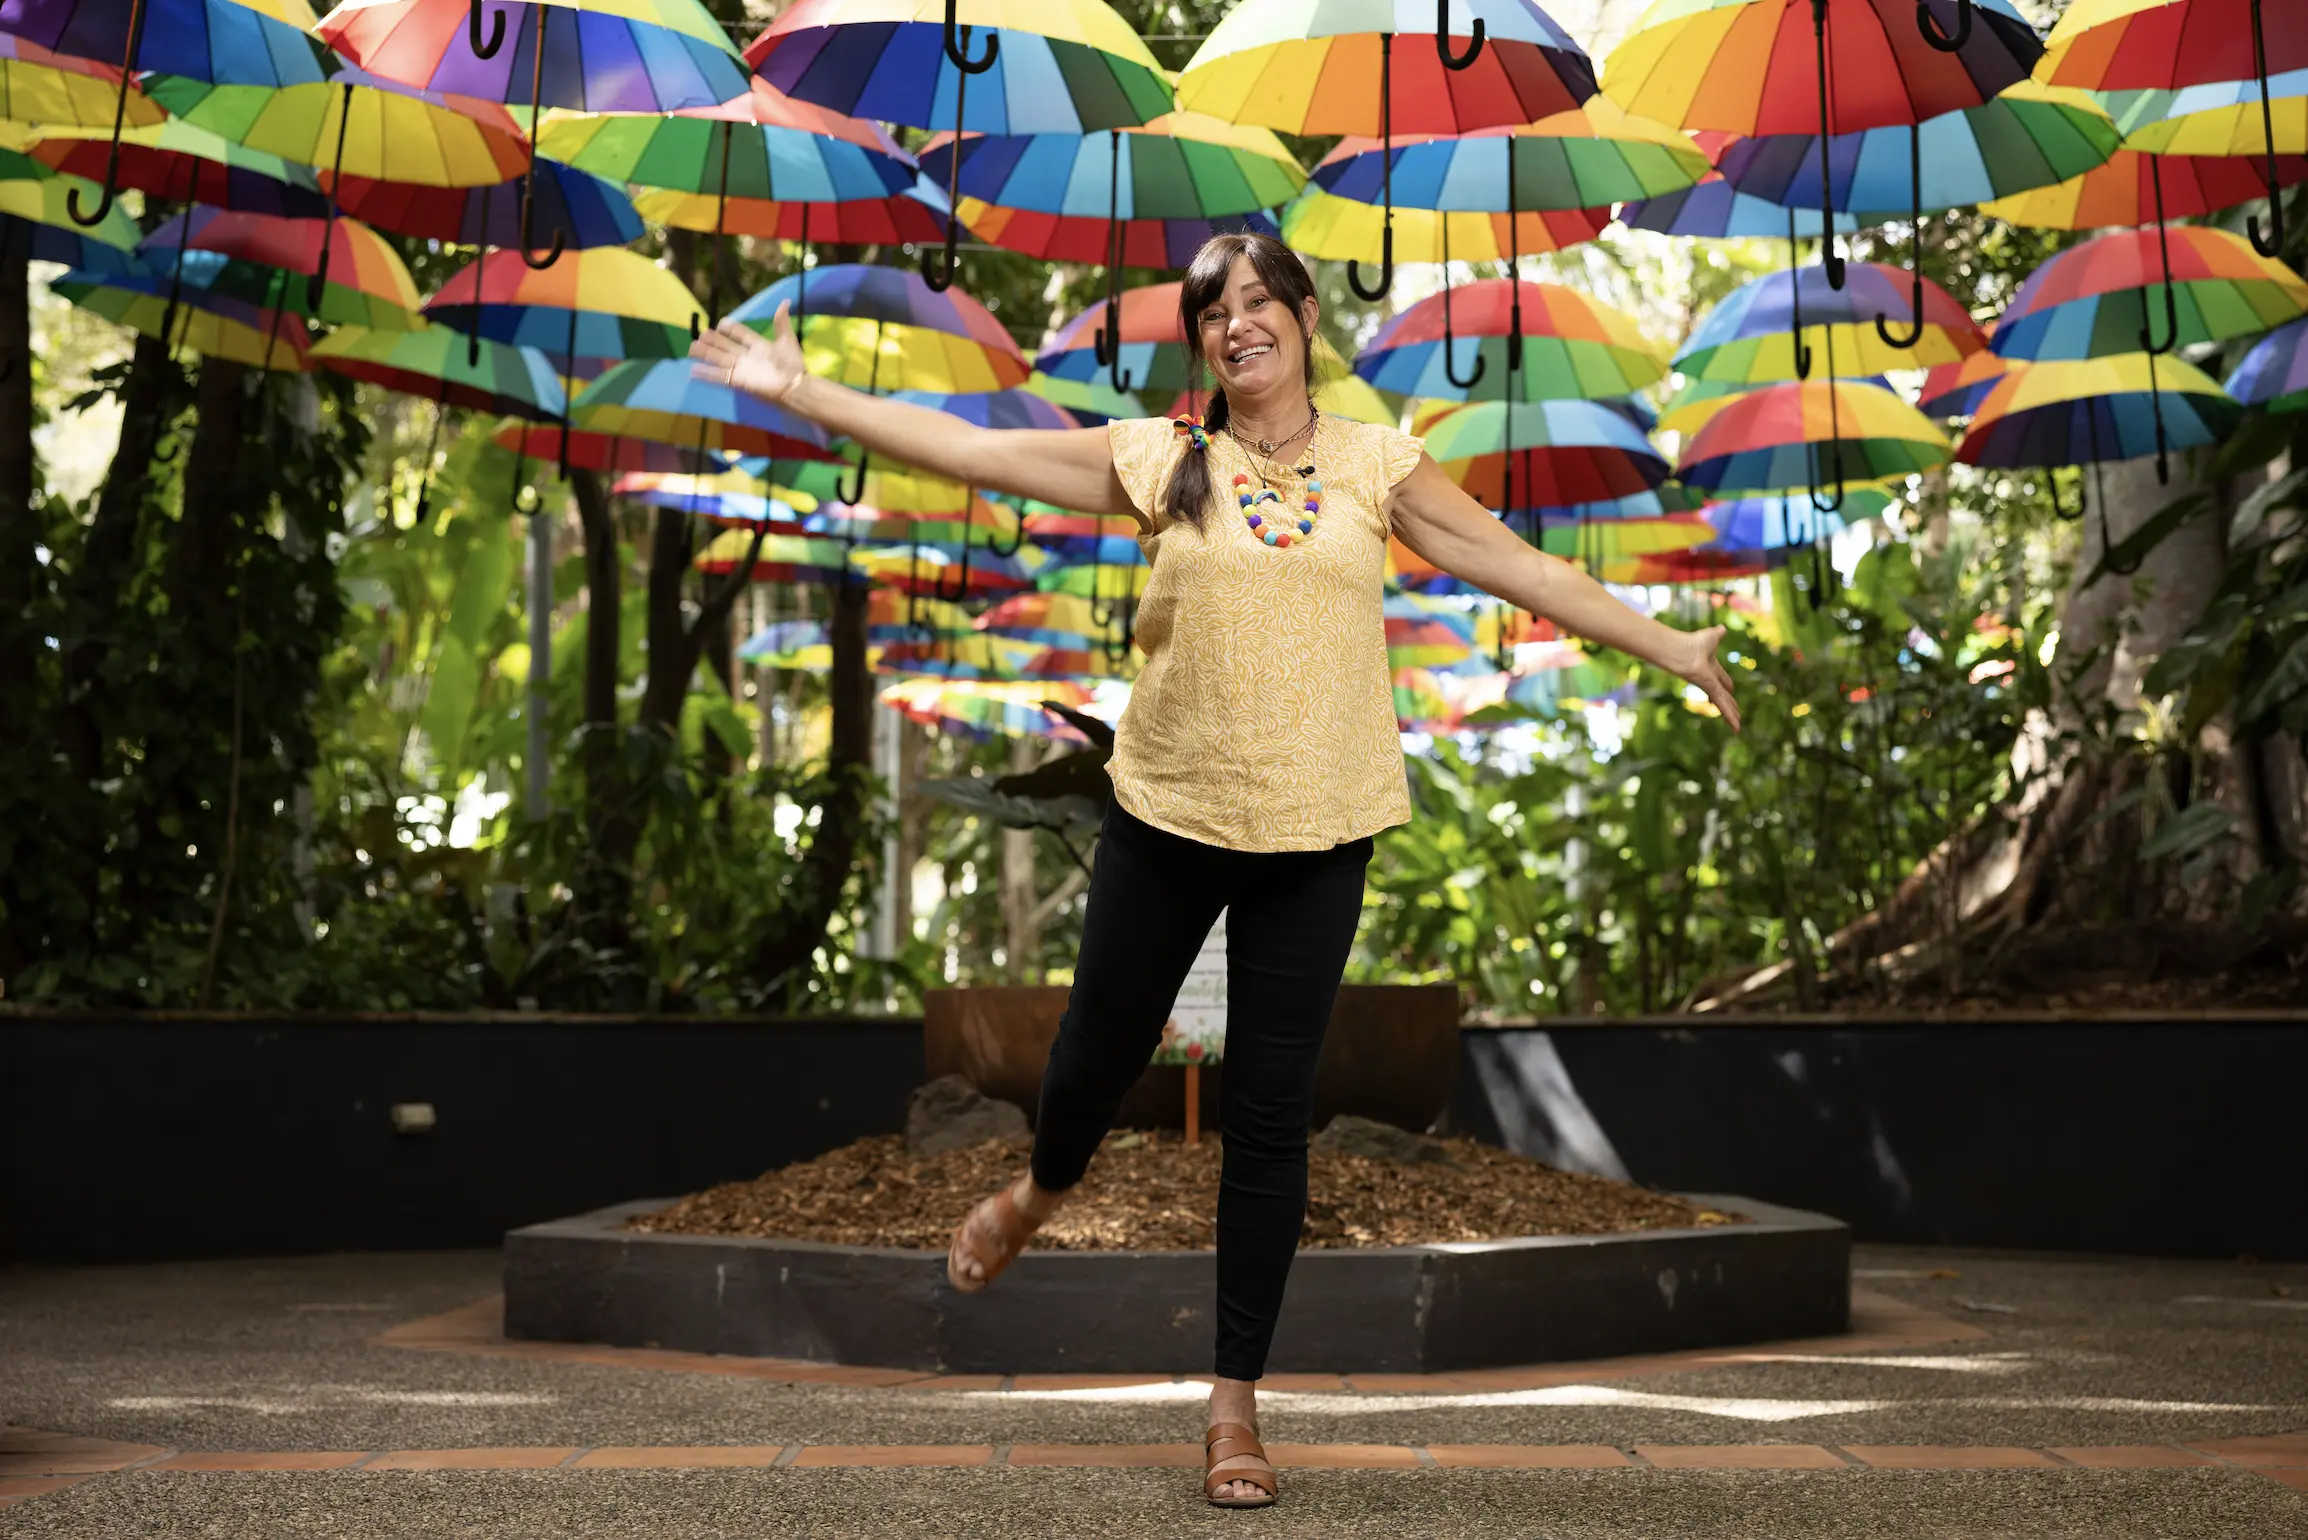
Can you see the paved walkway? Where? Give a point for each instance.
(1979, 1395)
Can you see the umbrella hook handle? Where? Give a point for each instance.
(1795, 299)
(529, 181)
(1928, 25)
(484, 49)
(2148, 343)
(1386, 174)
(2272, 241)
(1106, 343)
(962, 583)
(1828, 257)
(1915, 266)
(994, 547)
(958, 43)
(316, 286)
(111, 185)
(1450, 342)
(853, 494)
(1442, 45)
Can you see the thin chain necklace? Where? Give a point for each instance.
(1271, 519)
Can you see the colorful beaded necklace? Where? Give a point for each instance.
(1273, 525)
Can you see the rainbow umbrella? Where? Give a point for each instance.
(243, 256)
(1715, 210)
(2160, 45)
(2221, 119)
(606, 302)
(1762, 67)
(38, 85)
(795, 644)
(883, 329)
(2093, 411)
(1546, 341)
(36, 223)
(262, 42)
(620, 56)
(1425, 633)
(1774, 523)
(995, 409)
(981, 710)
(788, 559)
(659, 400)
(2092, 300)
(1317, 222)
(1810, 435)
(2274, 375)
(1092, 400)
(1420, 700)
(1769, 329)
(1956, 389)
(543, 442)
(211, 325)
(1544, 453)
(959, 657)
(443, 366)
(1308, 66)
(2135, 188)
(174, 162)
(357, 124)
(982, 525)
(1058, 67)
(1046, 619)
(590, 211)
(1151, 352)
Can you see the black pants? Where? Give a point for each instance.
(1290, 923)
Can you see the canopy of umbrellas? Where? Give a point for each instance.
(544, 133)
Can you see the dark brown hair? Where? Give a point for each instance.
(1188, 496)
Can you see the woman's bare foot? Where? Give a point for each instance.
(1234, 1401)
(978, 1240)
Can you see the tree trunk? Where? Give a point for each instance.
(201, 563)
(720, 656)
(20, 581)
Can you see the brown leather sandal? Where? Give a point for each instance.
(1225, 1443)
(1010, 1228)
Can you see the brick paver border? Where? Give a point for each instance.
(1879, 1324)
(34, 1464)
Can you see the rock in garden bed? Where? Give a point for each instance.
(1147, 1191)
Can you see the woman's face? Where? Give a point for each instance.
(1249, 338)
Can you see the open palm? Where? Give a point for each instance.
(736, 355)
(1699, 663)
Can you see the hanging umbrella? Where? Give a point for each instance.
(41, 86)
(542, 442)
(1546, 453)
(624, 56)
(981, 710)
(1075, 67)
(794, 644)
(1046, 619)
(1542, 341)
(1811, 435)
(2220, 119)
(2273, 376)
(2097, 298)
(995, 409)
(1762, 67)
(660, 400)
(36, 224)
(2133, 186)
(786, 559)
(2132, 45)
(1715, 210)
(244, 255)
(1310, 66)
(358, 124)
(211, 325)
(604, 303)
(259, 43)
(1956, 389)
(1758, 524)
(883, 329)
(2089, 412)
(441, 366)
(588, 210)
(1773, 327)
(1152, 352)
(1094, 400)
(174, 162)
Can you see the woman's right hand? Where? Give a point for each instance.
(736, 355)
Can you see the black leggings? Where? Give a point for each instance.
(1290, 923)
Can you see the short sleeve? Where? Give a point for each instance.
(1398, 456)
(1144, 449)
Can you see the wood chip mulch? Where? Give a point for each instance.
(1148, 1192)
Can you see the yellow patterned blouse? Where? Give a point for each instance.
(1263, 718)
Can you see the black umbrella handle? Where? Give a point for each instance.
(484, 48)
(529, 182)
(957, 47)
(1106, 343)
(1795, 299)
(1386, 176)
(941, 277)
(1450, 342)
(111, 186)
(1827, 253)
(2272, 241)
(1928, 25)
(1915, 189)
(1442, 44)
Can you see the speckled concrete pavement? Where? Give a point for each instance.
(2077, 1353)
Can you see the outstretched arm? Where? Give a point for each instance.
(1070, 468)
(1441, 523)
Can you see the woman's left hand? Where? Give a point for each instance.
(1695, 661)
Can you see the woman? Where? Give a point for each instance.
(1257, 757)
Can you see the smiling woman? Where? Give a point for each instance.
(1258, 755)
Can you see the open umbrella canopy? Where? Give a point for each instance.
(586, 209)
(660, 399)
(36, 223)
(1808, 435)
(1750, 336)
(1569, 346)
(175, 162)
(995, 409)
(360, 125)
(1774, 523)
(795, 644)
(447, 367)
(605, 302)
(603, 452)
(924, 570)
(1046, 619)
(261, 42)
(1321, 224)
(980, 523)
(599, 55)
(2031, 136)
(2273, 376)
(1426, 633)
(1313, 66)
(901, 218)
(1053, 67)
(981, 710)
(2098, 410)
(2223, 119)
(1593, 154)
(2132, 45)
(780, 559)
(1556, 452)
(1748, 67)
(2132, 186)
(883, 328)
(1153, 350)
(213, 326)
(1594, 542)
(2096, 299)
(244, 255)
(711, 497)
(1956, 389)
(1715, 210)
(38, 85)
